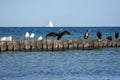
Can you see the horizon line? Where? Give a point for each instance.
(68, 26)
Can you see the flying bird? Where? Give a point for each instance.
(86, 35)
(59, 34)
(99, 35)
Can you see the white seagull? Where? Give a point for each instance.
(40, 38)
(27, 35)
(32, 35)
(9, 38)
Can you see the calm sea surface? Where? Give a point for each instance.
(100, 64)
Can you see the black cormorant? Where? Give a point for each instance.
(99, 35)
(59, 34)
(116, 35)
(86, 34)
(109, 37)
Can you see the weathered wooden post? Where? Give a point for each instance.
(58, 45)
(16, 45)
(105, 42)
(10, 45)
(34, 45)
(45, 46)
(118, 42)
(75, 44)
(115, 43)
(55, 46)
(22, 45)
(70, 44)
(109, 43)
(86, 44)
(50, 45)
(65, 44)
(28, 46)
(61, 46)
(80, 45)
(39, 45)
(100, 43)
(96, 44)
(91, 44)
(3, 46)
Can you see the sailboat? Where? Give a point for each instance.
(50, 23)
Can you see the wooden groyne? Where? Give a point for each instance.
(56, 45)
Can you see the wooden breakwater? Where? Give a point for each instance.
(56, 45)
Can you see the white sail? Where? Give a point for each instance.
(50, 23)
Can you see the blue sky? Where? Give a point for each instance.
(62, 12)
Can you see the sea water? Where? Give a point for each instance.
(18, 33)
(99, 64)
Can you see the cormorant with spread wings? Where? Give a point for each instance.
(59, 34)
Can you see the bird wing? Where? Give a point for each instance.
(52, 34)
(66, 33)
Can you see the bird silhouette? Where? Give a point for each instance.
(99, 35)
(86, 35)
(59, 34)
(109, 37)
(116, 35)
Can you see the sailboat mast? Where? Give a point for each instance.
(50, 23)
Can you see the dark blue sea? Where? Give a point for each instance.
(98, 64)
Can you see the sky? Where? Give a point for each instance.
(61, 12)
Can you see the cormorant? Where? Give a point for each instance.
(59, 34)
(109, 37)
(116, 35)
(86, 34)
(99, 35)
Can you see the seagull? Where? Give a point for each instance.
(9, 38)
(32, 35)
(86, 35)
(27, 35)
(3, 38)
(59, 34)
(40, 38)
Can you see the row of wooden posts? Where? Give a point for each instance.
(56, 45)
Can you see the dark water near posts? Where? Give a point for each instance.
(100, 64)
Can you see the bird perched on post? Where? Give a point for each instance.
(99, 35)
(116, 35)
(86, 35)
(40, 38)
(32, 35)
(27, 35)
(59, 34)
(109, 37)
(9, 38)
